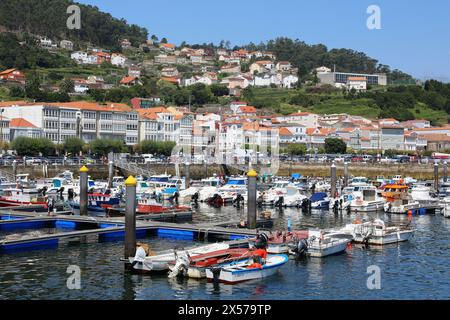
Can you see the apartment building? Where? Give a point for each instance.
(88, 121)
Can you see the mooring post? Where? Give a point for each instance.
(445, 178)
(130, 217)
(333, 180)
(346, 173)
(187, 175)
(110, 174)
(84, 191)
(251, 199)
(14, 165)
(436, 176)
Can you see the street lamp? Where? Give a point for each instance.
(1, 130)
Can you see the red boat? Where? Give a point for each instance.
(21, 197)
(195, 267)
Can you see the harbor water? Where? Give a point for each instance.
(417, 269)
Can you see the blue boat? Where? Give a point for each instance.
(320, 201)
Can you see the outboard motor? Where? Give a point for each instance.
(181, 266)
(216, 274)
(302, 247)
(279, 203)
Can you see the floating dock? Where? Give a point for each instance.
(33, 230)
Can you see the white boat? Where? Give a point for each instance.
(285, 195)
(242, 270)
(366, 198)
(161, 261)
(377, 233)
(446, 204)
(326, 246)
(233, 187)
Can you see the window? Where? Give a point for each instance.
(52, 113)
(106, 127)
(51, 124)
(89, 126)
(89, 115)
(105, 116)
(132, 127)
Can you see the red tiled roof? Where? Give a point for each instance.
(285, 132)
(128, 80)
(21, 123)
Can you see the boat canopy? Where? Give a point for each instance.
(319, 196)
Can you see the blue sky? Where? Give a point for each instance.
(415, 34)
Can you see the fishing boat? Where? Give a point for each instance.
(377, 233)
(98, 204)
(196, 267)
(366, 198)
(163, 260)
(15, 197)
(245, 270)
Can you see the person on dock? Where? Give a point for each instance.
(195, 198)
(70, 195)
(50, 205)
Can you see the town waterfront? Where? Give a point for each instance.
(417, 269)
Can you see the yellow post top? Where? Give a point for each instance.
(84, 169)
(252, 173)
(131, 181)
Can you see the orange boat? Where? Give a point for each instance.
(395, 191)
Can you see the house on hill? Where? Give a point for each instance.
(13, 76)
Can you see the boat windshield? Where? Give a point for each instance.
(239, 182)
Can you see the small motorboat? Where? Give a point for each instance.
(162, 261)
(320, 244)
(196, 267)
(377, 233)
(280, 242)
(246, 270)
(320, 201)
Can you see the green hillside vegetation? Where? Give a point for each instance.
(49, 18)
(402, 103)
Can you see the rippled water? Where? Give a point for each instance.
(417, 269)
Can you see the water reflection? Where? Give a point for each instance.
(417, 269)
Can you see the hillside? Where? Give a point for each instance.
(48, 18)
(427, 103)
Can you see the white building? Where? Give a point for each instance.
(118, 60)
(86, 120)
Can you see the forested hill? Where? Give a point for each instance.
(49, 17)
(306, 57)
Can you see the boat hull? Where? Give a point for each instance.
(232, 276)
(390, 238)
(335, 247)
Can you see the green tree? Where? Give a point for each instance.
(102, 147)
(67, 86)
(25, 146)
(73, 145)
(296, 149)
(335, 146)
